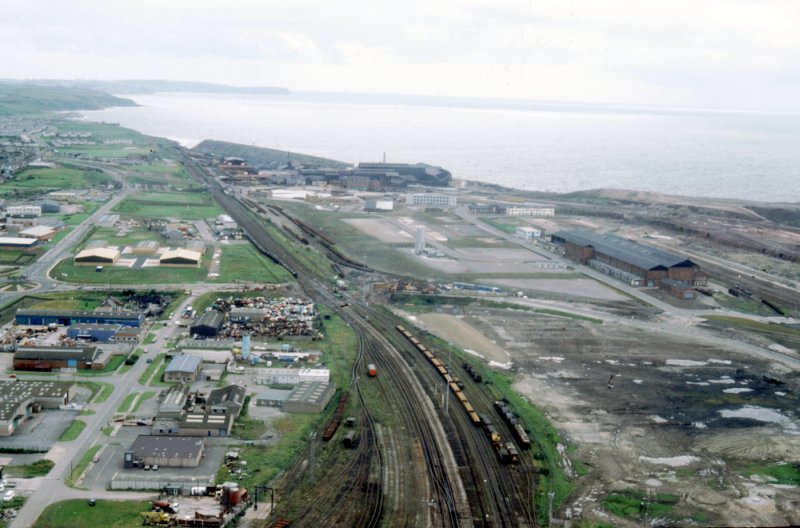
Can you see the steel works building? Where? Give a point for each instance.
(635, 263)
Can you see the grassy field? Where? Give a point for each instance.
(77, 513)
(183, 206)
(72, 432)
(53, 179)
(39, 468)
(244, 262)
(67, 271)
(638, 505)
(784, 473)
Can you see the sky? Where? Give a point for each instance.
(727, 54)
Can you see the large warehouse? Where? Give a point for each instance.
(180, 258)
(166, 451)
(48, 358)
(36, 317)
(19, 399)
(635, 263)
(208, 324)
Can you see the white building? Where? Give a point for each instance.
(527, 233)
(531, 211)
(63, 196)
(292, 376)
(24, 210)
(432, 200)
(378, 205)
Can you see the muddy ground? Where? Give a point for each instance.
(648, 411)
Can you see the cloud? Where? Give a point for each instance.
(731, 52)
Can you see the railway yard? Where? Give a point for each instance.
(478, 378)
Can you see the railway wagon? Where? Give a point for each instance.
(453, 387)
(474, 418)
(442, 370)
(513, 454)
(461, 397)
(467, 407)
(401, 329)
(413, 341)
(522, 436)
(428, 355)
(422, 348)
(371, 370)
(436, 362)
(349, 440)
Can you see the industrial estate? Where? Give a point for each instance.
(236, 336)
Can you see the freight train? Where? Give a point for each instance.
(453, 383)
(514, 423)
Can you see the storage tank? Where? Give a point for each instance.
(246, 346)
(371, 370)
(230, 494)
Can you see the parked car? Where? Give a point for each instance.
(147, 467)
(155, 467)
(8, 495)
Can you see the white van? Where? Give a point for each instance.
(8, 495)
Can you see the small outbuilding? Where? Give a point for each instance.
(146, 247)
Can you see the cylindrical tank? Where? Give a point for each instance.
(246, 346)
(230, 494)
(371, 370)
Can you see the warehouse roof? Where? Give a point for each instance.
(309, 392)
(184, 363)
(17, 241)
(147, 244)
(212, 318)
(645, 257)
(37, 231)
(14, 392)
(146, 446)
(117, 314)
(84, 354)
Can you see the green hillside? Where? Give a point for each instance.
(18, 98)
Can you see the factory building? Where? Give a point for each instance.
(180, 258)
(47, 359)
(40, 232)
(309, 397)
(18, 243)
(94, 332)
(635, 263)
(49, 206)
(210, 415)
(378, 206)
(36, 317)
(97, 255)
(431, 200)
(183, 368)
(208, 324)
(166, 451)
(20, 399)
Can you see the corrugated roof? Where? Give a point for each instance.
(184, 363)
(181, 253)
(146, 446)
(98, 252)
(640, 255)
(212, 319)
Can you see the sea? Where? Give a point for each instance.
(553, 147)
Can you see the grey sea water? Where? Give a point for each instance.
(545, 147)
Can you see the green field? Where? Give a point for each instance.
(244, 262)
(784, 473)
(17, 98)
(182, 206)
(39, 468)
(77, 513)
(44, 179)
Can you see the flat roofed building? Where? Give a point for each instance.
(527, 233)
(378, 206)
(174, 401)
(292, 376)
(168, 451)
(636, 263)
(272, 397)
(43, 317)
(181, 257)
(63, 196)
(19, 399)
(45, 358)
(183, 368)
(97, 255)
(24, 211)
(39, 232)
(531, 211)
(309, 397)
(431, 200)
(17, 243)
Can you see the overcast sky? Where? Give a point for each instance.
(699, 53)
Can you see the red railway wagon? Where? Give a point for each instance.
(371, 370)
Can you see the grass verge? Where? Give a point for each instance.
(72, 432)
(83, 463)
(77, 513)
(39, 468)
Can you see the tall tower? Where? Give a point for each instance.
(419, 242)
